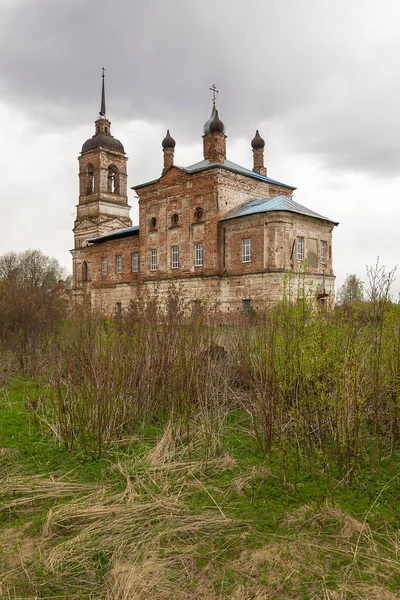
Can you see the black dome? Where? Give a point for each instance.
(105, 141)
(257, 141)
(168, 141)
(206, 128)
(216, 124)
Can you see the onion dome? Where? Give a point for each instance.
(216, 124)
(206, 128)
(168, 141)
(105, 141)
(257, 142)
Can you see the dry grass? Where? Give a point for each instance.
(36, 489)
(130, 580)
(149, 542)
(145, 534)
(327, 562)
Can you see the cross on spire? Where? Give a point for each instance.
(214, 91)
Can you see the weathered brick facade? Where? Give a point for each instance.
(225, 236)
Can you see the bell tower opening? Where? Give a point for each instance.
(113, 180)
(89, 179)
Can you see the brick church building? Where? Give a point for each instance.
(226, 236)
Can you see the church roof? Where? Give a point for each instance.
(103, 138)
(205, 165)
(112, 235)
(262, 205)
(104, 141)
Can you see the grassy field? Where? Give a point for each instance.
(165, 515)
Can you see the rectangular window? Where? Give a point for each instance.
(118, 261)
(175, 257)
(323, 252)
(246, 250)
(135, 262)
(104, 266)
(299, 248)
(246, 307)
(198, 255)
(153, 260)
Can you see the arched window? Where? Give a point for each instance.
(113, 180)
(175, 219)
(153, 223)
(85, 271)
(89, 179)
(198, 213)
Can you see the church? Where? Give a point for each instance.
(221, 235)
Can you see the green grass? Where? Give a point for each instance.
(254, 526)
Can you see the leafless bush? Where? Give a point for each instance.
(28, 315)
(323, 384)
(106, 377)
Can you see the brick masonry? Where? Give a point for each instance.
(182, 209)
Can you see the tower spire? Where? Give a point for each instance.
(103, 97)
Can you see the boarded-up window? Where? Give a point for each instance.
(246, 307)
(312, 250)
(196, 308)
(85, 271)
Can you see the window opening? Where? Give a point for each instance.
(104, 266)
(175, 257)
(175, 219)
(153, 260)
(135, 262)
(198, 213)
(299, 248)
(153, 222)
(323, 252)
(196, 308)
(89, 179)
(84, 271)
(118, 259)
(246, 307)
(113, 180)
(198, 255)
(246, 250)
(118, 308)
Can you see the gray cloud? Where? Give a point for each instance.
(320, 79)
(324, 70)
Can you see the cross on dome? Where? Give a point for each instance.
(214, 91)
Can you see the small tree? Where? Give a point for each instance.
(379, 286)
(31, 304)
(32, 268)
(351, 291)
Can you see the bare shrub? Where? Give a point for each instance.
(323, 384)
(109, 376)
(28, 315)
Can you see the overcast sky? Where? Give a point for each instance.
(320, 79)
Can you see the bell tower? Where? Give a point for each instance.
(103, 201)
